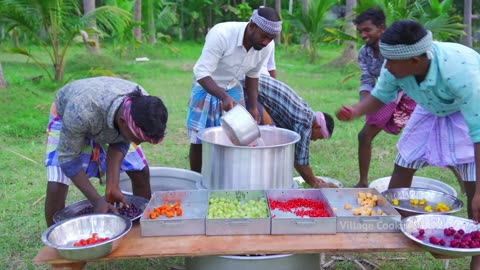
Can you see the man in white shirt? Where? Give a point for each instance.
(231, 51)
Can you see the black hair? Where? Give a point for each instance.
(375, 15)
(403, 32)
(149, 114)
(329, 122)
(269, 14)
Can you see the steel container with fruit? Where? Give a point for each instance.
(107, 229)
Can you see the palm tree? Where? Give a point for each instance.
(91, 43)
(62, 21)
(313, 22)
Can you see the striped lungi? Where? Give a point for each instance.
(439, 141)
(205, 110)
(93, 155)
(394, 115)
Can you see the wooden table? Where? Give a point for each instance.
(134, 246)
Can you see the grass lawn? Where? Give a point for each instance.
(24, 109)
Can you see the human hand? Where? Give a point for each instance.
(345, 113)
(114, 195)
(476, 207)
(101, 206)
(320, 183)
(227, 103)
(255, 114)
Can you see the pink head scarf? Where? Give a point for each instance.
(137, 131)
(323, 125)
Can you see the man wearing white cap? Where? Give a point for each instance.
(290, 111)
(444, 130)
(231, 51)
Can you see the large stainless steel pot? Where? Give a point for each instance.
(226, 166)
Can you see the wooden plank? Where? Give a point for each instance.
(135, 246)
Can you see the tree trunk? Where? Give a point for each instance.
(467, 20)
(92, 42)
(3, 82)
(349, 54)
(290, 7)
(137, 18)
(152, 31)
(305, 42)
(278, 8)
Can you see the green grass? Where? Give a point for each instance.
(24, 109)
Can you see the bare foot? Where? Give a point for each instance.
(361, 185)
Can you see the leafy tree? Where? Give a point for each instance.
(435, 15)
(62, 21)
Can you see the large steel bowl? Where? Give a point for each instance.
(166, 179)
(240, 126)
(74, 209)
(61, 236)
(405, 208)
(434, 225)
(381, 184)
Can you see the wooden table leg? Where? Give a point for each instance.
(69, 266)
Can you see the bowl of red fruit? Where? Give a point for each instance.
(135, 210)
(443, 234)
(87, 237)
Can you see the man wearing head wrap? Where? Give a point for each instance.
(444, 130)
(95, 128)
(231, 51)
(290, 111)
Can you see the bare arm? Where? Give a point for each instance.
(112, 191)
(251, 84)
(476, 196)
(213, 89)
(306, 173)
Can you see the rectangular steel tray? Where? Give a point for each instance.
(284, 222)
(347, 222)
(238, 226)
(194, 204)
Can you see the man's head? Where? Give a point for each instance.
(370, 25)
(322, 127)
(407, 46)
(144, 118)
(264, 26)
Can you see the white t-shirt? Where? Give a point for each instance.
(225, 59)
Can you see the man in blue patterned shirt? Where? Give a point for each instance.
(291, 112)
(92, 125)
(444, 130)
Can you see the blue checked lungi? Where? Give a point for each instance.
(205, 110)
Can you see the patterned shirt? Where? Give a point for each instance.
(288, 111)
(370, 67)
(225, 59)
(451, 85)
(87, 108)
